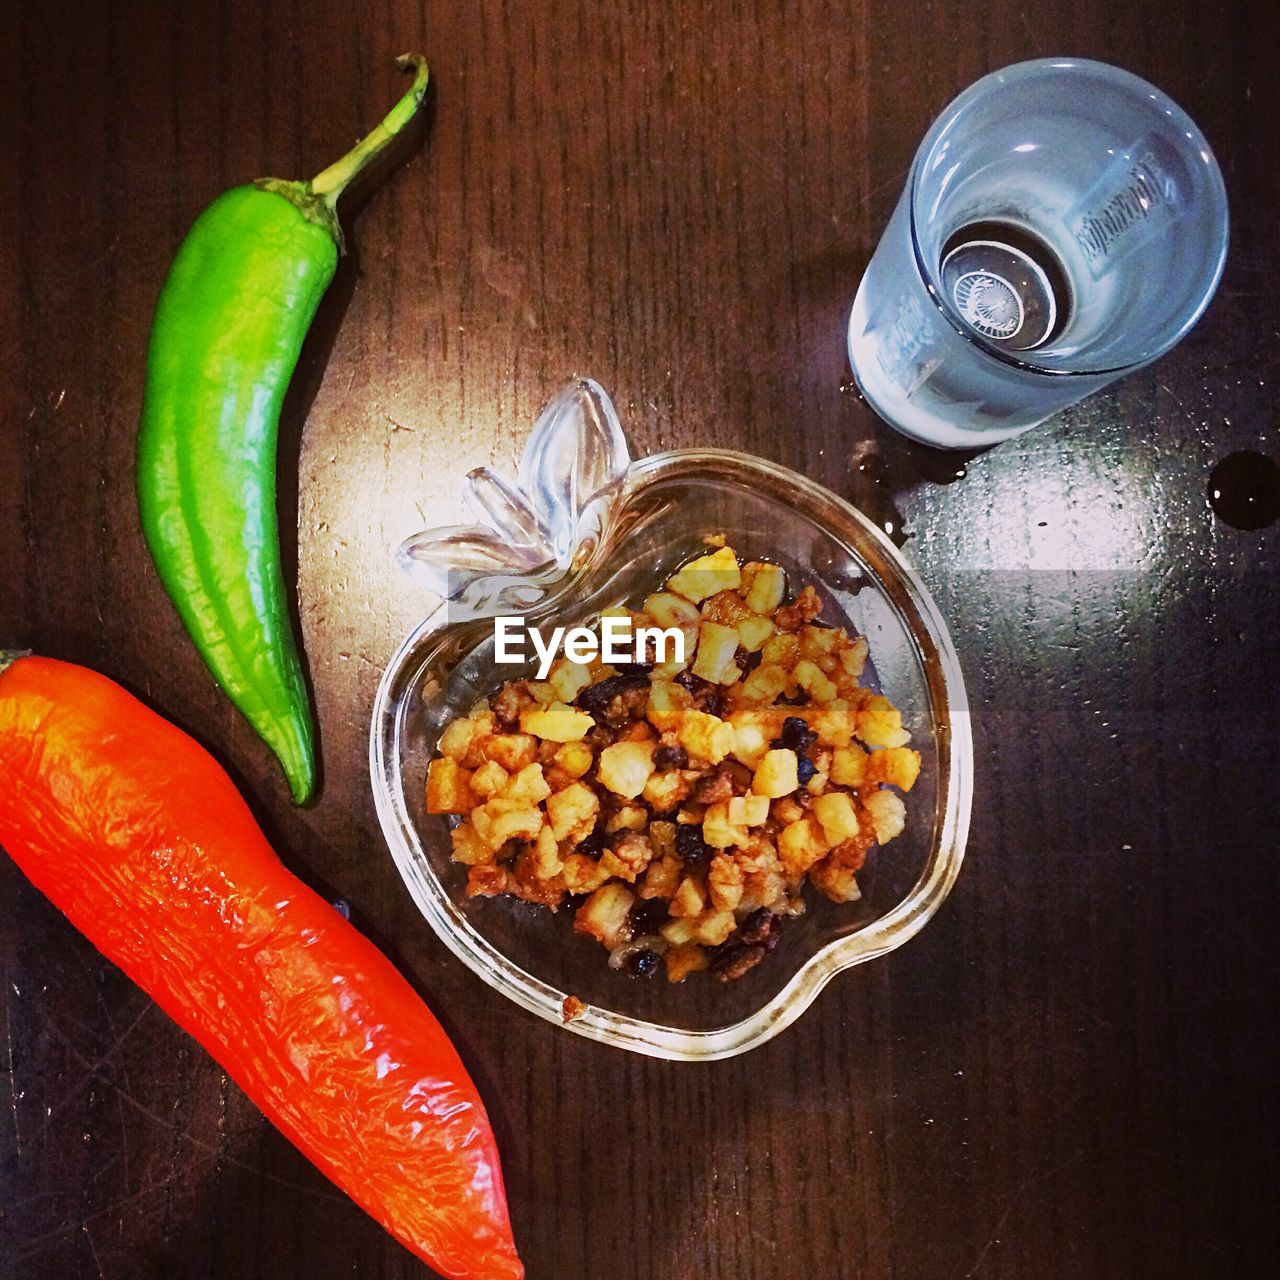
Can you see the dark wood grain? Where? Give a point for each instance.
(1071, 1073)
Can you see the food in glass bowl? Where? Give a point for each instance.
(583, 530)
(679, 805)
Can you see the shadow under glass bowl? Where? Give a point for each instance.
(669, 502)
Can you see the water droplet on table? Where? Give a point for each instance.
(1244, 490)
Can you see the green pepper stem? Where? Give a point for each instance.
(331, 183)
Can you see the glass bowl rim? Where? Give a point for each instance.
(885, 934)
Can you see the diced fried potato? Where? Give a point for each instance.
(668, 702)
(546, 860)
(706, 575)
(557, 722)
(604, 914)
(625, 767)
(888, 814)
(759, 853)
(725, 879)
(854, 658)
(489, 779)
(717, 646)
(801, 844)
(714, 928)
(575, 758)
(879, 724)
(753, 631)
(628, 858)
(835, 814)
(665, 790)
(449, 787)
(725, 607)
(819, 640)
(766, 683)
(782, 649)
(514, 820)
(751, 737)
(811, 678)
(718, 831)
(834, 875)
(898, 766)
(777, 774)
(685, 959)
(568, 679)
(764, 586)
(511, 750)
(468, 848)
(572, 812)
(499, 820)
(581, 874)
(669, 610)
(748, 811)
(630, 817)
(673, 667)
(849, 766)
(672, 611)
(458, 736)
(663, 835)
(764, 888)
(833, 723)
(705, 736)
(662, 878)
(688, 900)
(786, 810)
(541, 691)
(677, 932)
(528, 785)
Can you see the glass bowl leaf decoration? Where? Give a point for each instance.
(531, 535)
(584, 529)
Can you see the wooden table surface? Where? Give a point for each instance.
(1072, 1071)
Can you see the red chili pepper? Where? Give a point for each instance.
(133, 831)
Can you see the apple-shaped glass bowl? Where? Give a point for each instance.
(586, 528)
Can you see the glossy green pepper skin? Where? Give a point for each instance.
(229, 325)
(230, 322)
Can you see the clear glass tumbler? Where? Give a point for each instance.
(1063, 224)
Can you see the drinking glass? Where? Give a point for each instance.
(1064, 223)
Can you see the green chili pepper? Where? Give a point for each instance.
(229, 325)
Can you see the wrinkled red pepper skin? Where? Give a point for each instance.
(134, 832)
